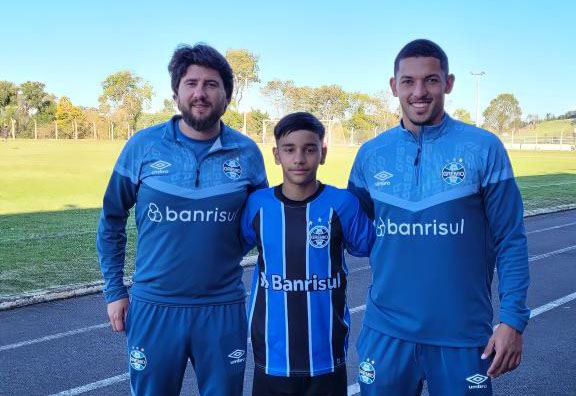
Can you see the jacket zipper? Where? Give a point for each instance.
(197, 182)
(418, 159)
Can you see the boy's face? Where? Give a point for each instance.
(300, 153)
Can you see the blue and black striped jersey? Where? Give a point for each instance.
(299, 319)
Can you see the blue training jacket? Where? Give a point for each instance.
(299, 320)
(187, 215)
(447, 210)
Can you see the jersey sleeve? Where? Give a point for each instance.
(360, 235)
(505, 214)
(119, 197)
(248, 234)
(357, 185)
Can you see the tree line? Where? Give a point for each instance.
(125, 98)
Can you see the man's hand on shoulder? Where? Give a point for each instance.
(506, 346)
(117, 311)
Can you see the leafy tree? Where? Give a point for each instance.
(276, 91)
(463, 115)
(169, 107)
(233, 119)
(245, 67)
(66, 112)
(126, 95)
(328, 102)
(8, 94)
(33, 99)
(254, 122)
(503, 113)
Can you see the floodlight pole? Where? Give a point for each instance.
(478, 75)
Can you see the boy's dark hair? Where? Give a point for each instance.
(201, 55)
(422, 47)
(299, 121)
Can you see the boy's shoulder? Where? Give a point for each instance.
(261, 196)
(338, 196)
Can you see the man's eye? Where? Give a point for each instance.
(406, 82)
(432, 80)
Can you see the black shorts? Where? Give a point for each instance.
(331, 384)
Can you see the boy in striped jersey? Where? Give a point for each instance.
(299, 320)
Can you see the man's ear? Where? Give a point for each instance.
(275, 154)
(393, 86)
(450, 83)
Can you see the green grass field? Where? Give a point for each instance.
(51, 191)
(549, 129)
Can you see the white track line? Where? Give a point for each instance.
(102, 325)
(552, 305)
(54, 336)
(94, 385)
(353, 389)
(551, 228)
(552, 253)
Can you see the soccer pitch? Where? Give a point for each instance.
(51, 192)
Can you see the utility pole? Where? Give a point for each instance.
(478, 75)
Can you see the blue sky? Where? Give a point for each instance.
(525, 48)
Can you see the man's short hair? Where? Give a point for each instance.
(201, 55)
(422, 48)
(296, 122)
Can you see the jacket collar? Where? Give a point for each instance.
(226, 140)
(432, 132)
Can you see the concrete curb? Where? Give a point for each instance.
(69, 291)
(554, 209)
(83, 289)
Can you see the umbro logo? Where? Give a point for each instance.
(477, 379)
(238, 353)
(160, 165)
(237, 356)
(383, 178)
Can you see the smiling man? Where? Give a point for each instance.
(188, 179)
(447, 212)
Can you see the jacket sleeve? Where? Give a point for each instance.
(247, 227)
(119, 198)
(357, 185)
(360, 236)
(505, 213)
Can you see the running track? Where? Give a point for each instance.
(66, 347)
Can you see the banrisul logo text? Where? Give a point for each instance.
(232, 169)
(314, 283)
(159, 214)
(454, 173)
(433, 228)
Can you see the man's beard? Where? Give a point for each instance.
(205, 123)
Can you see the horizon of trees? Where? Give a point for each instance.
(126, 98)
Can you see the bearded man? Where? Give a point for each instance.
(188, 179)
